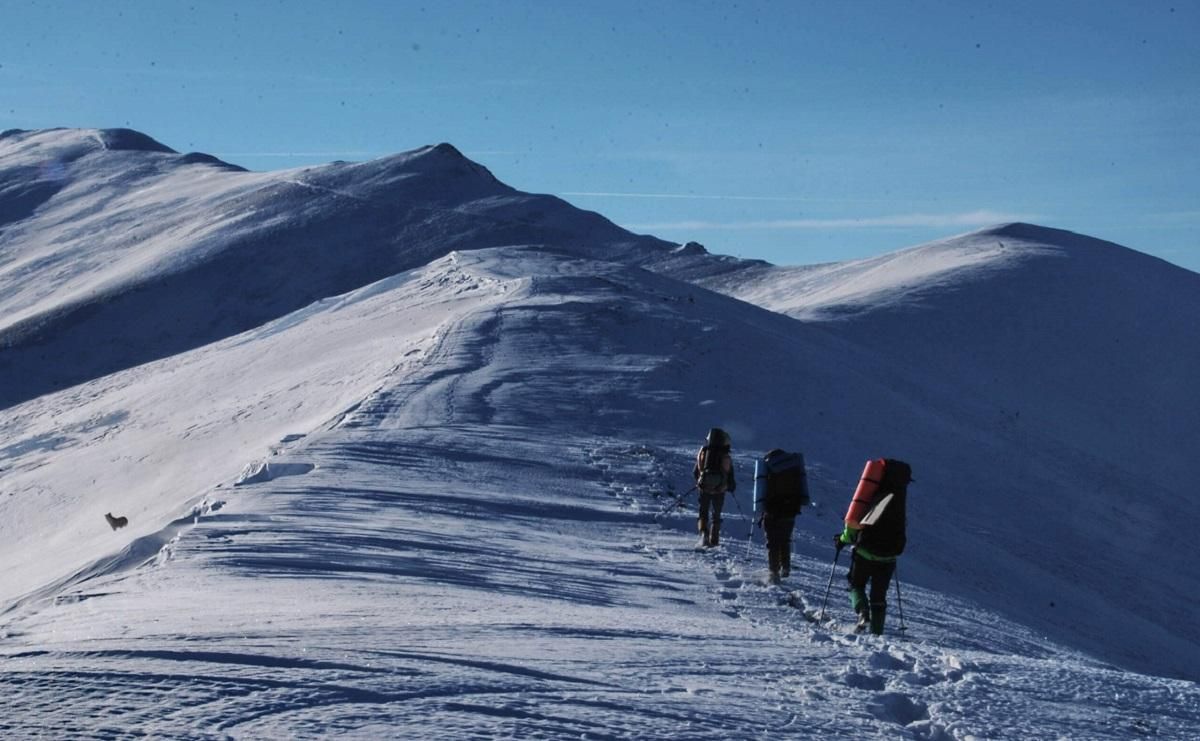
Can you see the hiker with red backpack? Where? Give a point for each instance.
(875, 526)
(713, 474)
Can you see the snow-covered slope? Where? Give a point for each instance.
(426, 503)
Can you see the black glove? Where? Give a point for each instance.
(837, 542)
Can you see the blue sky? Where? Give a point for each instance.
(796, 132)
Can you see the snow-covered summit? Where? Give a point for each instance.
(62, 142)
(46, 147)
(907, 276)
(444, 156)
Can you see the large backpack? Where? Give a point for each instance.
(884, 525)
(785, 488)
(712, 474)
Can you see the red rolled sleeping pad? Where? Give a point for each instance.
(864, 495)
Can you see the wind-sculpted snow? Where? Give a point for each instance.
(406, 587)
(428, 504)
(150, 441)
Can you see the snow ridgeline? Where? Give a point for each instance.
(474, 547)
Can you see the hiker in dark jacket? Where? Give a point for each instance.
(713, 474)
(785, 492)
(875, 526)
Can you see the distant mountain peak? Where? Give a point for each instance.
(201, 158)
(443, 153)
(128, 140)
(1036, 233)
(443, 158)
(446, 148)
(691, 248)
(68, 145)
(1044, 240)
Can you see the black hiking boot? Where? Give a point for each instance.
(878, 617)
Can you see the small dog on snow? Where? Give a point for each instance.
(115, 522)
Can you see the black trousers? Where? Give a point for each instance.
(876, 574)
(779, 541)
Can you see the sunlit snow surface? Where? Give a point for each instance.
(427, 507)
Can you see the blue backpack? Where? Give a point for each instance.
(785, 488)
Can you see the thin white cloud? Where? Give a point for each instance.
(1174, 218)
(968, 219)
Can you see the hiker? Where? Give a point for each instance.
(783, 492)
(713, 473)
(875, 527)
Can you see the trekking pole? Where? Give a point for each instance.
(750, 540)
(821, 615)
(739, 504)
(678, 501)
(899, 602)
(753, 522)
(742, 512)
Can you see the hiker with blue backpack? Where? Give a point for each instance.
(780, 490)
(713, 474)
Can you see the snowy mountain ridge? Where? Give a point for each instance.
(247, 248)
(391, 438)
(833, 290)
